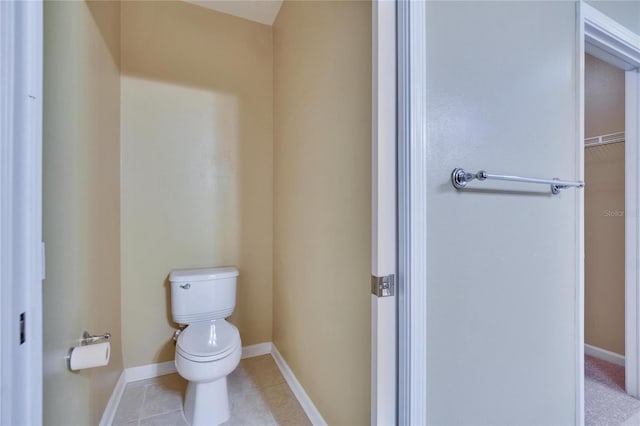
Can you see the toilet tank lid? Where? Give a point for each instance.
(202, 274)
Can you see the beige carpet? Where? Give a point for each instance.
(606, 402)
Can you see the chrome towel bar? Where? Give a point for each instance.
(460, 178)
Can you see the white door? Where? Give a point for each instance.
(383, 260)
(21, 213)
(491, 86)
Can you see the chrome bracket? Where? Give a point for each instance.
(88, 338)
(555, 189)
(459, 177)
(383, 286)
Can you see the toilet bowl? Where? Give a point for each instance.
(209, 348)
(206, 353)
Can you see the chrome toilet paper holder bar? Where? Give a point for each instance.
(88, 339)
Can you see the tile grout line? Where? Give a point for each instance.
(164, 413)
(146, 389)
(158, 415)
(273, 385)
(144, 399)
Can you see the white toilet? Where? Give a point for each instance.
(209, 348)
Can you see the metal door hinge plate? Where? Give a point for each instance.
(383, 286)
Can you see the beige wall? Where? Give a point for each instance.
(81, 203)
(197, 168)
(170, 165)
(322, 203)
(604, 208)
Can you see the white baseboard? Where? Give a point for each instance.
(112, 406)
(149, 371)
(307, 405)
(604, 354)
(256, 350)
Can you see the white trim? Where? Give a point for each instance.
(307, 405)
(110, 410)
(412, 213)
(384, 373)
(384, 347)
(149, 371)
(383, 135)
(608, 40)
(7, 66)
(21, 210)
(632, 237)
(579, 284)
(257, 350)
(603, 354)
(34, 55)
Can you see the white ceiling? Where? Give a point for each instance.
(263, 11)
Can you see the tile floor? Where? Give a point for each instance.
(258, 395)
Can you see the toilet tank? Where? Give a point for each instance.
(202, 294)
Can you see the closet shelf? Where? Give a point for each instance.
(604, 139)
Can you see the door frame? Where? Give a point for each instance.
(603, 37)
(412, 212)
(384, 218)
(21, 253)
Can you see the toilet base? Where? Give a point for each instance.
(207, 404)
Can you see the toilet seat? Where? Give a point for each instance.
(208, 341)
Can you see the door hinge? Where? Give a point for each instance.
(383, 286)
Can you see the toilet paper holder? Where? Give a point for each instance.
(88, 338)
